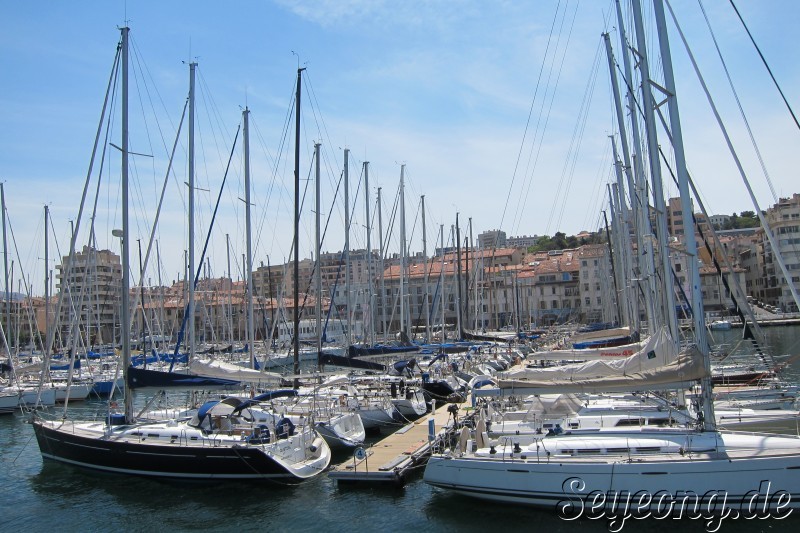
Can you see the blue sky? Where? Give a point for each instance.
(444, 87)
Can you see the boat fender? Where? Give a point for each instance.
(316, 447)
(284, 428)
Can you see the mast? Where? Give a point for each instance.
(624, 241)
(698, 315)
(230, 286)
(126, 263)
(370, 295)
(46, 348)
(191, 273)
(426, 305)
(630, 308)
(382, 295)
(250, 321)
(161, 296)
(646, 262)
(458, 279)
(403, 250)
(667, 292)
(348, 334)
(474, 277)
(296, 266)
(441, 283)
(5, 263)
(317, 236)
(465, 306)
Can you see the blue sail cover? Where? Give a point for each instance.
(140, 378)
(76, 364)
(326, 358)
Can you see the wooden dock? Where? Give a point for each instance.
(393, 459)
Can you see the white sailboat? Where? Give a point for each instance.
(725, 472)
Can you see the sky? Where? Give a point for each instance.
(499, 112)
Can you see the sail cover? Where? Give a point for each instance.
(656, 367)
(221, 369)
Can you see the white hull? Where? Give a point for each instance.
(704, 464)
(342, 432)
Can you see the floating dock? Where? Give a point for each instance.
(391, 460)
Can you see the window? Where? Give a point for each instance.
(588, 301)
(599, 301)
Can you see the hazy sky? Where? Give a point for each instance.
(501, 111)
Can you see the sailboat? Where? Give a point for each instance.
(224, 439)
(662, 470)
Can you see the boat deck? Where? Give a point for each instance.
(394, 458)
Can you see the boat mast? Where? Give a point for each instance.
(631, 298)
(296, 266)
(46, 348)
(370, 295)
(465, 306)
(441, 283)
(382, 295)
(698, 315)
(402, 248)
(161, 297)
(426, 307)
(124, 243)
(646, 262)
(230, 286)
(317, 238)
(5, 263)
(191, 272)
(348, 334)
(629, 302)
(667, 293)
(250, 321)
(457, 238)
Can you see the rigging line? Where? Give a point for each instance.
(599, 199)
(414, 225)
(580, 130)
(539, 131)
(142, 68)
(729, 142)
(275, 183)
(739, 104)
(530, 113)
(196, 276)
(763, 60)
(547, 120)
(272, 161)
(533, 159)
(110, 89)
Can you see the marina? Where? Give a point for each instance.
(417, 378)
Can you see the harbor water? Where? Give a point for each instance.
(46, 496)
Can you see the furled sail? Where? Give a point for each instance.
(657, 366)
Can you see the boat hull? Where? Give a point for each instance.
(552, 482)
(164, 461)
